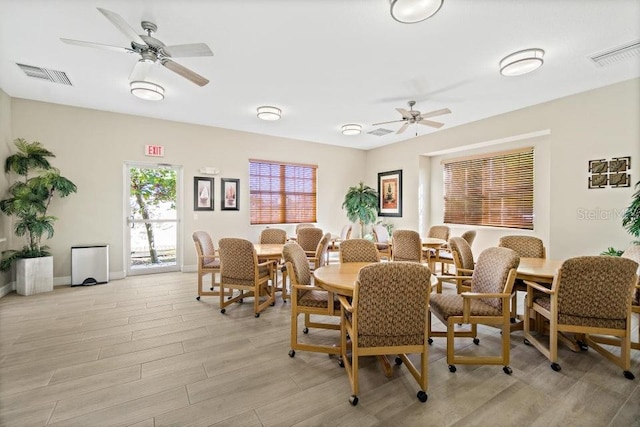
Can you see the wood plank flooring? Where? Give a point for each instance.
(143, 352)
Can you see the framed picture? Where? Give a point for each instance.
(619, 164)
(202, 193)
(390, 193)
(620, 180)
(229, 194)
(598, 180)
(598, 166)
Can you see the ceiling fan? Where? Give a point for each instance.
(414, 116)
(151, 50)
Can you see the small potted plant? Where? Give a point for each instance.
(37, 182)
(361, 204)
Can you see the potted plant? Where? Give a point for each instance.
(29, 197)
(361, 204)
(630, 221)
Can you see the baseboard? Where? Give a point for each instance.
(190, 268)
(59, 281)
(7, 289)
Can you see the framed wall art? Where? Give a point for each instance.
(229, 194)
(202, 193)
(390, 193)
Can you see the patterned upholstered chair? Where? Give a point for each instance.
(308, 238)
(633, 253)
(273, 236)
(359, 250)
(464, 262)
(407, 246)
(303, 225)
(469, 236)
(526, 247)
(381, 237)
(487, 303)
(208, 262)
(307, 299)
(240, 270)
(589, 295)
(387, 315)
(439, 255)
(345, 234)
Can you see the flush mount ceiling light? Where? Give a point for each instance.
(351, 129)
(521, 62)
(269, 113)
(147, 90)
(412, 11)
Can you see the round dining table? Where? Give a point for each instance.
(539, 270)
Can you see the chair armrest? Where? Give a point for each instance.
(345, 303)
(539, 287)
(269, 264)
(464, 270)
(483, 295)
(466, 302)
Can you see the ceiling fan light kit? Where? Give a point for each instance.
(147, 90)
(351, 129)
(269, 113)
(521, 62)
(412, 11)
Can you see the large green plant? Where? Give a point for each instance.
(631, 217)
(29, 198)
(361, 204)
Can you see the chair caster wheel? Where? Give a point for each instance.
(272, 304)
(555, 367)
(422, 396)
(211, 289)
(353, 399)
(305, 331)
(198, 298)
(476, 341)
(292, 353)
(583, 345)
(223, 311)
(629, 375)
(229, 297)
(452, 368)
(341, 363)
(257, 314)
(430, 341)
(526, 342)
(513, 320)
(507, 370)
(240, 300)
(398, 361)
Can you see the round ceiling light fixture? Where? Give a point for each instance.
(412, 11)
(351, 129)
(521, 62)
(147, 90)
(269, 113)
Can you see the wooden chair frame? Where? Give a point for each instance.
(203, 270)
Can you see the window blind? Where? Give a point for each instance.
(493, 189)
(282, 193)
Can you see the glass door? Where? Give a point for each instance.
(152, 224)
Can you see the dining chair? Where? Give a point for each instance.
(526, 247)
(469, 236)
(240, 270)
(308, 238)
(387, 315)
(407, 246)
(273, 236)
(359, 250)
(208, 262)
(464, 263)
(590, 297)
(486, 303)
(633, 253)
(309, 300)
(438, 255)
(381, 238)
(345, 234)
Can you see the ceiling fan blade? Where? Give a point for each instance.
(405, 113)
(403, 128)
(122, 25)
(384, 123)
(184, 72)
(436, 113)
(140, 71)
(185, 50)
(98, 45)
(436, 125)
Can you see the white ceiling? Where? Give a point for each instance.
(324, 63)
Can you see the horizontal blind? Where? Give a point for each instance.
(494, 189)
(282, 193)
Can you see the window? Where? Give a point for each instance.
(282, 193)
(493, 189)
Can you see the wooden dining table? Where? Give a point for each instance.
(539, 270)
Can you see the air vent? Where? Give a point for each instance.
(380, 132)
(45, 74)
(616, 54)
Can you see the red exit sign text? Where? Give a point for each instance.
(154, 150)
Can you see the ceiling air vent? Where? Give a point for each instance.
(619, 53)
(380, 132)
(45, 74)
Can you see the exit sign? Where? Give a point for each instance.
(154, 150)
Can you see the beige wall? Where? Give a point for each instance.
(601, 123)
(91, 148)
(6, 138)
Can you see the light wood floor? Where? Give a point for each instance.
(143, 352)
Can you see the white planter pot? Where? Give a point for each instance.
(34, 275)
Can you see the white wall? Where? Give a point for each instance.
(6, 142)
(91, 147)
(602, 123)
